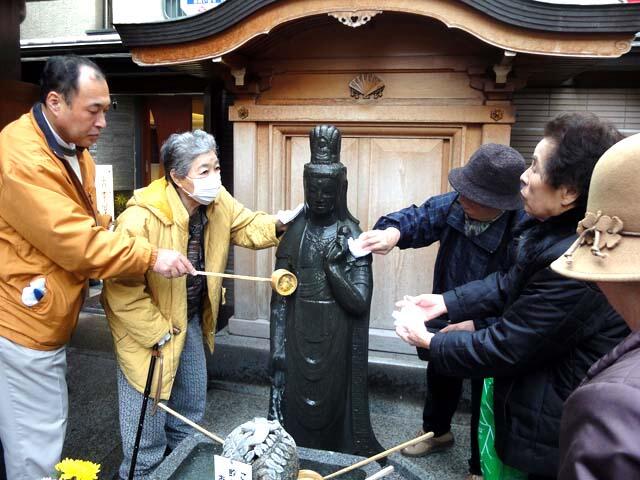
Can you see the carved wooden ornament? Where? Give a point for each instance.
(366, 85)
(243, 112)
(496, 114)
(354, 19)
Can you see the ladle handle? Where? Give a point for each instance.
(382, 473)
(380, 455)
(212, 436)
(232, 275)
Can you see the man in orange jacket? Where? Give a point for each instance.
(51, 241)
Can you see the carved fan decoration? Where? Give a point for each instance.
(366, 85)
(355, 19)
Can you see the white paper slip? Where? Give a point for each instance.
(356, 249)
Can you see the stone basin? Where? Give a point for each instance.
(193, 460)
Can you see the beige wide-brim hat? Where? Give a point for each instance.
(608, 248)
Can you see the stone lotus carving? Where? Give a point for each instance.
(266, 446)
(366, 85)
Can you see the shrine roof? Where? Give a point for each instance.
(527, 14)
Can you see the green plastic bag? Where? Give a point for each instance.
(492, 466)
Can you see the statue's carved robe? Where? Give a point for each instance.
(325, 335)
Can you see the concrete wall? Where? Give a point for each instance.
(61, 18)
(116, 145)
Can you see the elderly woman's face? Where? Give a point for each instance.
(202, 166)
(541, 200)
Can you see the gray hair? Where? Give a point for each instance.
(181, 149)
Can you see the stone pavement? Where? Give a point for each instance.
(93, 432)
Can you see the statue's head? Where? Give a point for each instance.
(325, 177)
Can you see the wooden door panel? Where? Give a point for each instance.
(403, 171)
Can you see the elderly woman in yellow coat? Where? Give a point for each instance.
(190, 211)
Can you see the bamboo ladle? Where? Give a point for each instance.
(306, 474)
(282, 281)
(311, 475)
(170, 411)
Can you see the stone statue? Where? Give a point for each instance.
(266, 446)
(319, 335)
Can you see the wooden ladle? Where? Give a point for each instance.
(312, 475)
(282, 281)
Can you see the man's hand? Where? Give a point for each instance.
(171, 264)
(431, 304)
(467, 325)
(380, 241)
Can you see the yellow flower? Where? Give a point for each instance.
(78, 470)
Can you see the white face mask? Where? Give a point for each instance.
(205, 190)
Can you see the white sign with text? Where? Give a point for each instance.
(227, 469)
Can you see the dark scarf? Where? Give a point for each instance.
(535, 236)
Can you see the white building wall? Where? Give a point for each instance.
(62, 18)
(72, 18)
(138, 11)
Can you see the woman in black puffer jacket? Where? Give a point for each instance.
(552, 329)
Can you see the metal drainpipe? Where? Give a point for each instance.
(106, 14)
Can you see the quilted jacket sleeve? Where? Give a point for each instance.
(480, 298)
(594, 445)
(545, 321)
(251, 229)
(419, 226)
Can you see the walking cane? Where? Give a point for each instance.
(155, 352)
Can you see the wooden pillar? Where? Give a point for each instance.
(496, 133)
(11, 14)
(246, 163)
(15, 96)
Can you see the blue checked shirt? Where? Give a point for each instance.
(460, 259)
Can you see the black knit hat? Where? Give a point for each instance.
(491, 177)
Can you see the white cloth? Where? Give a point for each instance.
(355, 247)
(33, 409)
(408, 315)
(285, 216)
